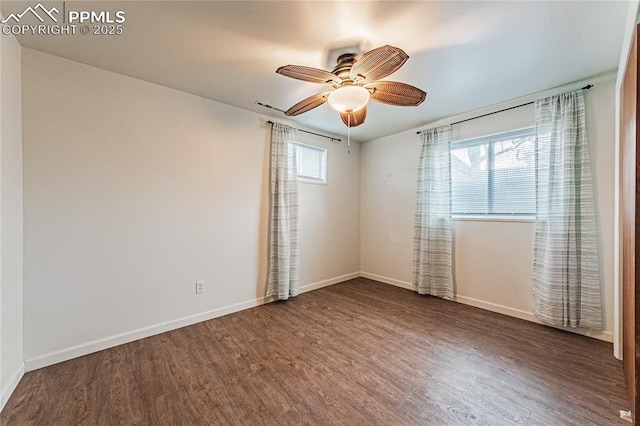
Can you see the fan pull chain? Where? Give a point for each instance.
(349, 133)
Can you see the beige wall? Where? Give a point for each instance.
(493, 259)
(134, 191)
(11, 326)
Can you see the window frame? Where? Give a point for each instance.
(489, 140)
(324, 156)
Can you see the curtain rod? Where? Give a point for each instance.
(312, 133)
(587, 87)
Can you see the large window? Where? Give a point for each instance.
(311, 162)
(494, 175)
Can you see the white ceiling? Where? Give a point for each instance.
(465, 55)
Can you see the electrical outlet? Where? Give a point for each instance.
(199, 287)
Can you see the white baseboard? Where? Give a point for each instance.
(494, 307)
(529, 316)
(82, 349)
(387, 280)
(66, 354)
(11, 385)
(330, 281)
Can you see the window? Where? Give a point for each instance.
(494, 175)
(311, 162)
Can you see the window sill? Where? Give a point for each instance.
(311, 181)
(493, 218)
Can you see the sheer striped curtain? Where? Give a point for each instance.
(566, 274)
(433, 230)
(283, 280)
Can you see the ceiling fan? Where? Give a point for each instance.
(355, 81)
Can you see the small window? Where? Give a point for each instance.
(494, 175)
(311, 162)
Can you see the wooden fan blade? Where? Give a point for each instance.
(356, 119)
(394, 93)
(308, 104)
(314, 75)
(378, 63)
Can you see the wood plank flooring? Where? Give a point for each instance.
(356, 353)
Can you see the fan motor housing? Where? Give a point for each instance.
(345, 62)
(354, 47)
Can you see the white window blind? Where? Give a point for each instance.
(494, 175)
(311, 162)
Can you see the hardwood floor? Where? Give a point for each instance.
(359, 352)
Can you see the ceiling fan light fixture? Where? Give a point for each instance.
(348, 98)
(354, 80)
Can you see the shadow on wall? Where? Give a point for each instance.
(263, 234)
